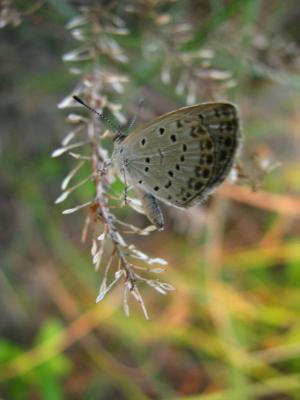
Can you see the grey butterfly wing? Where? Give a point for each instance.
(223, 125)
(182, 156)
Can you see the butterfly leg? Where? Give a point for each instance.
(126, 187)
(103, 169)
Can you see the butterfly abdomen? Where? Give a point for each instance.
(152, 209)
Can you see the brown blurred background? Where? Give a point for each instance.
(231, 329)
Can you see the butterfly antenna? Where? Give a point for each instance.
(104, 118)
(133, 120)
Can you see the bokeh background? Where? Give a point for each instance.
(231, 330)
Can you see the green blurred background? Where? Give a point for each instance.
(231, 330)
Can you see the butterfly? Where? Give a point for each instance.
(180, 157)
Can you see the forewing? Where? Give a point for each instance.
(176, 157)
